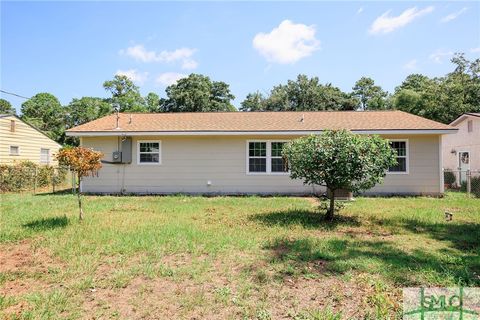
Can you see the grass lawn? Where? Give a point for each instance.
(228, 257)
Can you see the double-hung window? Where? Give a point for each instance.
(265, 157)
(149, 152)
(401, 150)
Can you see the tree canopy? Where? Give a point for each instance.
(370, 96)
(125, 93)
(45, 112)
(445, 98)
(197, 93)
(6, 107)
(302, 94)
(339, 160)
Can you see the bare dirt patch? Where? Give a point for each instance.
(229, 288)
(23, 257)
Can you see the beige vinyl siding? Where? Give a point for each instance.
(29, 141)
(463, 141)
(188, 163)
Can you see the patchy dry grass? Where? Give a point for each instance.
(228, 257)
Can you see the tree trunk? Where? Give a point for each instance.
(331, 209)
(79, 196)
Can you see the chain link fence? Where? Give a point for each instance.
(467, 181)
(30, 177)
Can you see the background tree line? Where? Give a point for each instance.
(441, 98)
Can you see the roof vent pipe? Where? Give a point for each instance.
(303, 118)
(130, 119)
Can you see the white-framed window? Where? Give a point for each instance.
(149, 152)
(265, 157)
(401, 149)
(14, 150)
(44, 156)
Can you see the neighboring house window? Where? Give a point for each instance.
(12, 125)
(401, 149)
(44, 156)
(149, 152)
(265, 157)
(14, 150)
(470, 125)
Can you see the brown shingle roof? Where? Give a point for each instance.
(260, 122)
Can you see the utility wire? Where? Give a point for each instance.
(14, 94)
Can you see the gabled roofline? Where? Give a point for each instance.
(28, 124)
(463, 116)
(248, 133)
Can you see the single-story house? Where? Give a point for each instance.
(19, 141)
(240, 152)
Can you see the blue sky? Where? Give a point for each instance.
(70, 48)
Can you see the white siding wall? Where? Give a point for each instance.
(463, 141)
(189, 162)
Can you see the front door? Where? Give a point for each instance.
(463, 164)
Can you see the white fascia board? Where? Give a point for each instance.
(244, 133)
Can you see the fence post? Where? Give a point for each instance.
(469, 182)
(35, 181)
(73, 180)
(53, 180)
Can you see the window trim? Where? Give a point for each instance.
(159, 153)
(407, 157)
(48, 156)
(14, 154)
(268, 159)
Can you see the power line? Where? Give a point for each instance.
(14, 94)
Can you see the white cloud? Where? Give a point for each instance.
(168, 78)
(411, 65)
(189, 64)
(287, 43)
(360, 10)
(475, 50)
(453, 15)
(439, 55)
(386, 23)
(134, 75)
(184, 55)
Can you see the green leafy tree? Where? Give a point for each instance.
(339, 160)
(125, 93)
(302, 94)
(445, 98)
(197, 93)
(85, 109)
(153, 102)
(6, 107)
(253, 102)
(45, 112)
(370, 96)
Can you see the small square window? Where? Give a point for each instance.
(44, 156)
(14, 150)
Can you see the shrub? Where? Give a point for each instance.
(21, 176)
(449, 178)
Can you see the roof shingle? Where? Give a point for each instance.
(260, 122)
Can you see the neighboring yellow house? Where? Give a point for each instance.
(20, 141)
